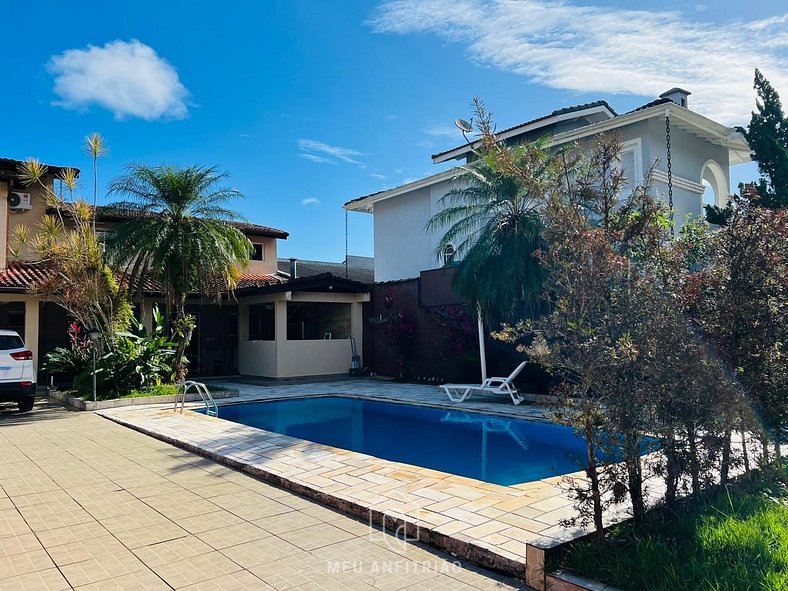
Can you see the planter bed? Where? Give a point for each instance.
(80, 404)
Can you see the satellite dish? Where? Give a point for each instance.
(463, 125)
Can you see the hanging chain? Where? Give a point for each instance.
(670, 171)
(346, 245)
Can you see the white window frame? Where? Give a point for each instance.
(443, 255)
(636, 146)
(262, 250)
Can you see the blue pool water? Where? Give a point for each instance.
(493, 449)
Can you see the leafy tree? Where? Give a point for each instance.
(739, 299)
(178, 235)
(492, 219)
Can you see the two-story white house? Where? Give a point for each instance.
(701, 154)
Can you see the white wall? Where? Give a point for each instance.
(403, 246)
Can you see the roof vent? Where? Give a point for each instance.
(678, 96)
(293, 268)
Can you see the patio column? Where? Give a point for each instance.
(3, 224)
(280, 334)
(357, 327)
(147, 315)
(32, 307)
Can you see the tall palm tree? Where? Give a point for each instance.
(178, 234)
(493, 221)
(96, 147)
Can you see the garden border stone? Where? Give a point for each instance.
(89, 405)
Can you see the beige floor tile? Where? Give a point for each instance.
(238, 581)
(196, 569)
(22, 564)
(106, 567)
(19, 544)
(41, 498)
(172, 551)
(261, 552)
(143, 580)
(85, 549)
(152, 534)
(45, 580)
(76, 533)
(232, 535)
(121, 523)
(278, 524)
(54, 515)
(12, 524)
(213, 520)
(315, 536)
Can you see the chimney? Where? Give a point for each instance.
(678, 96)
(293, 267)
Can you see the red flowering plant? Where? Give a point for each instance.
(400, 329)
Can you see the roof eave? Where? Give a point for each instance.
(461, 151)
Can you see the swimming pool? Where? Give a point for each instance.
(489, 448)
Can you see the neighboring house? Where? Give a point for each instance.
(702, 152)
(355, 268)
(272, 326)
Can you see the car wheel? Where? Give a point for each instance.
(26, 405)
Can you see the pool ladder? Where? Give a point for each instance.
(210, 404)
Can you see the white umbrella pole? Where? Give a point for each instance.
(482, 352)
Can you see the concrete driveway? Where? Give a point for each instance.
(88, 504)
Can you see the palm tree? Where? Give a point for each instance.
(493, 221)
(178, 234)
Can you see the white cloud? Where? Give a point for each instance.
(377, 175)
(310, 201)
(438, 130)
(128, 78)
(318, 159)
(318, 151)
(592, 49)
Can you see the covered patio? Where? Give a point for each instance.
(300, 328)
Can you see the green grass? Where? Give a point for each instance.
(735, 540)
(158, 390)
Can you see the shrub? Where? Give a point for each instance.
(136, 360)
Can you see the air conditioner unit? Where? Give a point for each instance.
(19, 201)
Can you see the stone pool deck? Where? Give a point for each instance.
(485, 523)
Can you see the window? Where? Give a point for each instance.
(447, 255)
(258, 253)
(317, 320)
(261, 322)
(629, 162)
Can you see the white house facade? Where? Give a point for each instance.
(702, 152)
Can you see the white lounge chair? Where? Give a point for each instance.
(460, 392)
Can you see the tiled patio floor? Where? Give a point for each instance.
(88, 504)
(487, 522)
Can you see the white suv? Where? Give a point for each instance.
(17, 376)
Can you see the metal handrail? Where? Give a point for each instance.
(210, 404)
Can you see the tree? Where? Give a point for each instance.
(178, 235)
(767, 135)
(79, 278)
(740, 301)
(493, 220)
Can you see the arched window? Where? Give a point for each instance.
(715, 183)
(448, 255)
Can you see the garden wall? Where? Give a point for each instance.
(418, 329)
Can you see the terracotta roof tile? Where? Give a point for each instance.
(22, 275)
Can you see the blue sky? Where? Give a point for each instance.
(309, 104)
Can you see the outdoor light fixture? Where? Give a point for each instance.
(94, 334)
